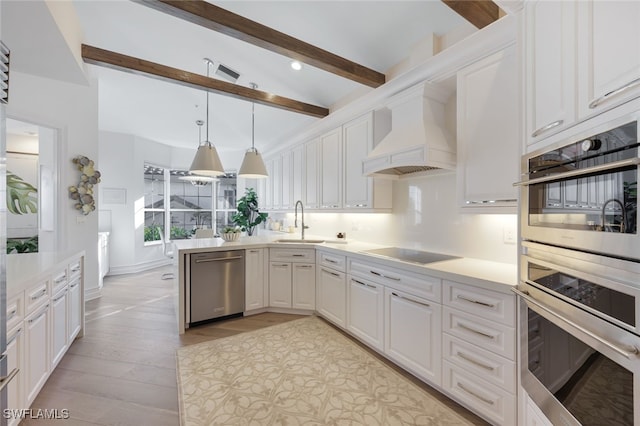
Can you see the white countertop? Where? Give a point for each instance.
(26, 269)
(483, 273)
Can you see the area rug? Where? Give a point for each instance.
(302, 372)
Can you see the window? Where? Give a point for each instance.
(188, 207)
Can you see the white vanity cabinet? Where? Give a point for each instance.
(488, 133)
(256, 287)
(365, 311)
(292, 278)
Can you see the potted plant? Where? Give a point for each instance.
(248, 216)
(230, 233)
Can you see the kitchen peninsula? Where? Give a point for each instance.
(437, 320)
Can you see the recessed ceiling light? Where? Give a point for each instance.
(296, 65)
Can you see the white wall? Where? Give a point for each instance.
(72, 110)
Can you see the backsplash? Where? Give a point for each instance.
(425, 216)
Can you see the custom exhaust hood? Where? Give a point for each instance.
(418, 141)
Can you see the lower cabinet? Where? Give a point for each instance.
(74, 300)
(365, 312)
(280, 280)
(254, 279)
(15, 359)
(332, 295)
(413, 334)
(37, 353)
(59, 334)
(292, 285)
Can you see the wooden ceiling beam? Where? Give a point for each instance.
(479, 12)
(105, 58)
(223, 21)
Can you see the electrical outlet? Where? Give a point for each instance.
(508, 235)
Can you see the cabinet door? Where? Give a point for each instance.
(37, 352)
(550, 73)
(413, 334)
(609, 54)
(488, 132)
(268, 186)
(297, 174)
(332, 295)
(312, 170)
(58, 327)
(304, 286)
(277, 183)
(287, 184)
(331, 170)
(15, 388)
(254, 275)
(75, 309)
(280, 285)
(365, 312)
(357, 142)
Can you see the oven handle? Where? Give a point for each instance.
(624, 352)
(575, 173)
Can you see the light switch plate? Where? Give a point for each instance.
(509, 235)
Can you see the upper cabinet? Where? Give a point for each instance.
(581, 59)
(311, 171)
(488, 133)
(297, 174)
(331, 170)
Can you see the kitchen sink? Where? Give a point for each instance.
(408, 255)
(298, 241)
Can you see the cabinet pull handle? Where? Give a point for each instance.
(473, 361)
(298, 255)
(477, 302)
(411, 300)
(281, 265)
(75, 268)
(614, 93)
(489, 336)
(385, 276)
(363, 284)
(332, 273)
(44, 311)
(11, 339)
(218, 259)
(38, 295)
(543, 129)
(60, 279)
(12, 314)
(4, 381)
(64, 293)
(470, 392)
(253, 251)
(330, 261)
(74, 285)
(303, 266)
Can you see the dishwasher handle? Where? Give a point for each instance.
(218, 259)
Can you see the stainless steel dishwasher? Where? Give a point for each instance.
(217, 285)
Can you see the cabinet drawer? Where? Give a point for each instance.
(59, 280)
(482, 363)
(15, 311)
(332, 261)
(489, 335)
(485, 399)
(36, 296)
(292, 255)
(75, 269)
(488, 304)
(420, 285)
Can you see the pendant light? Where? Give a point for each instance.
(253, 166)
(207, 162)
(195, 179)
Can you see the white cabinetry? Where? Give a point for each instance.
(292, 278)
(59, 334)
(331, 290)
(488, 132)
(413, 334)
(37, 351)
(276, 182)
(255, 283)
(311, 171)
(75, 309)
(15, 359)
(267, 199)
(287, 180)
(365, 311)
(361, 192)
(576, 65)
(331, 170)
(297, 174)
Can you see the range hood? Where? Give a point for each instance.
(417, 141)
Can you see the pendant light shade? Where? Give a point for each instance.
(207, 161)
(253, 166)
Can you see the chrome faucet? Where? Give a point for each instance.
(295, 223)
(624, 213)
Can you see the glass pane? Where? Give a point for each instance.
(153, 187)
(180, 229)
(199, 219)
(226, 195)
(153, 226)
(223, 218)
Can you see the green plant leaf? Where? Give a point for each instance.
(19, 198)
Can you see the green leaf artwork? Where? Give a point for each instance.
(19, 198)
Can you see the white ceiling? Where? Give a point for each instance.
(376, 34)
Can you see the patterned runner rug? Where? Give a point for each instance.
(299, 372)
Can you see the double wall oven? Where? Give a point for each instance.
(580, 277)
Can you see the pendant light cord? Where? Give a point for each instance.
(253, 120)
(208, 62)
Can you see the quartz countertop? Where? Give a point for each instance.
(483, 273)
(26, 269)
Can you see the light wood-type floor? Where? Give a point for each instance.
(122, 372)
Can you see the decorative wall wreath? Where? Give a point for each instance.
(83, 193)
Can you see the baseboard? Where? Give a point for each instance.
(290, 311)
(91, 294)
(140, 267)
